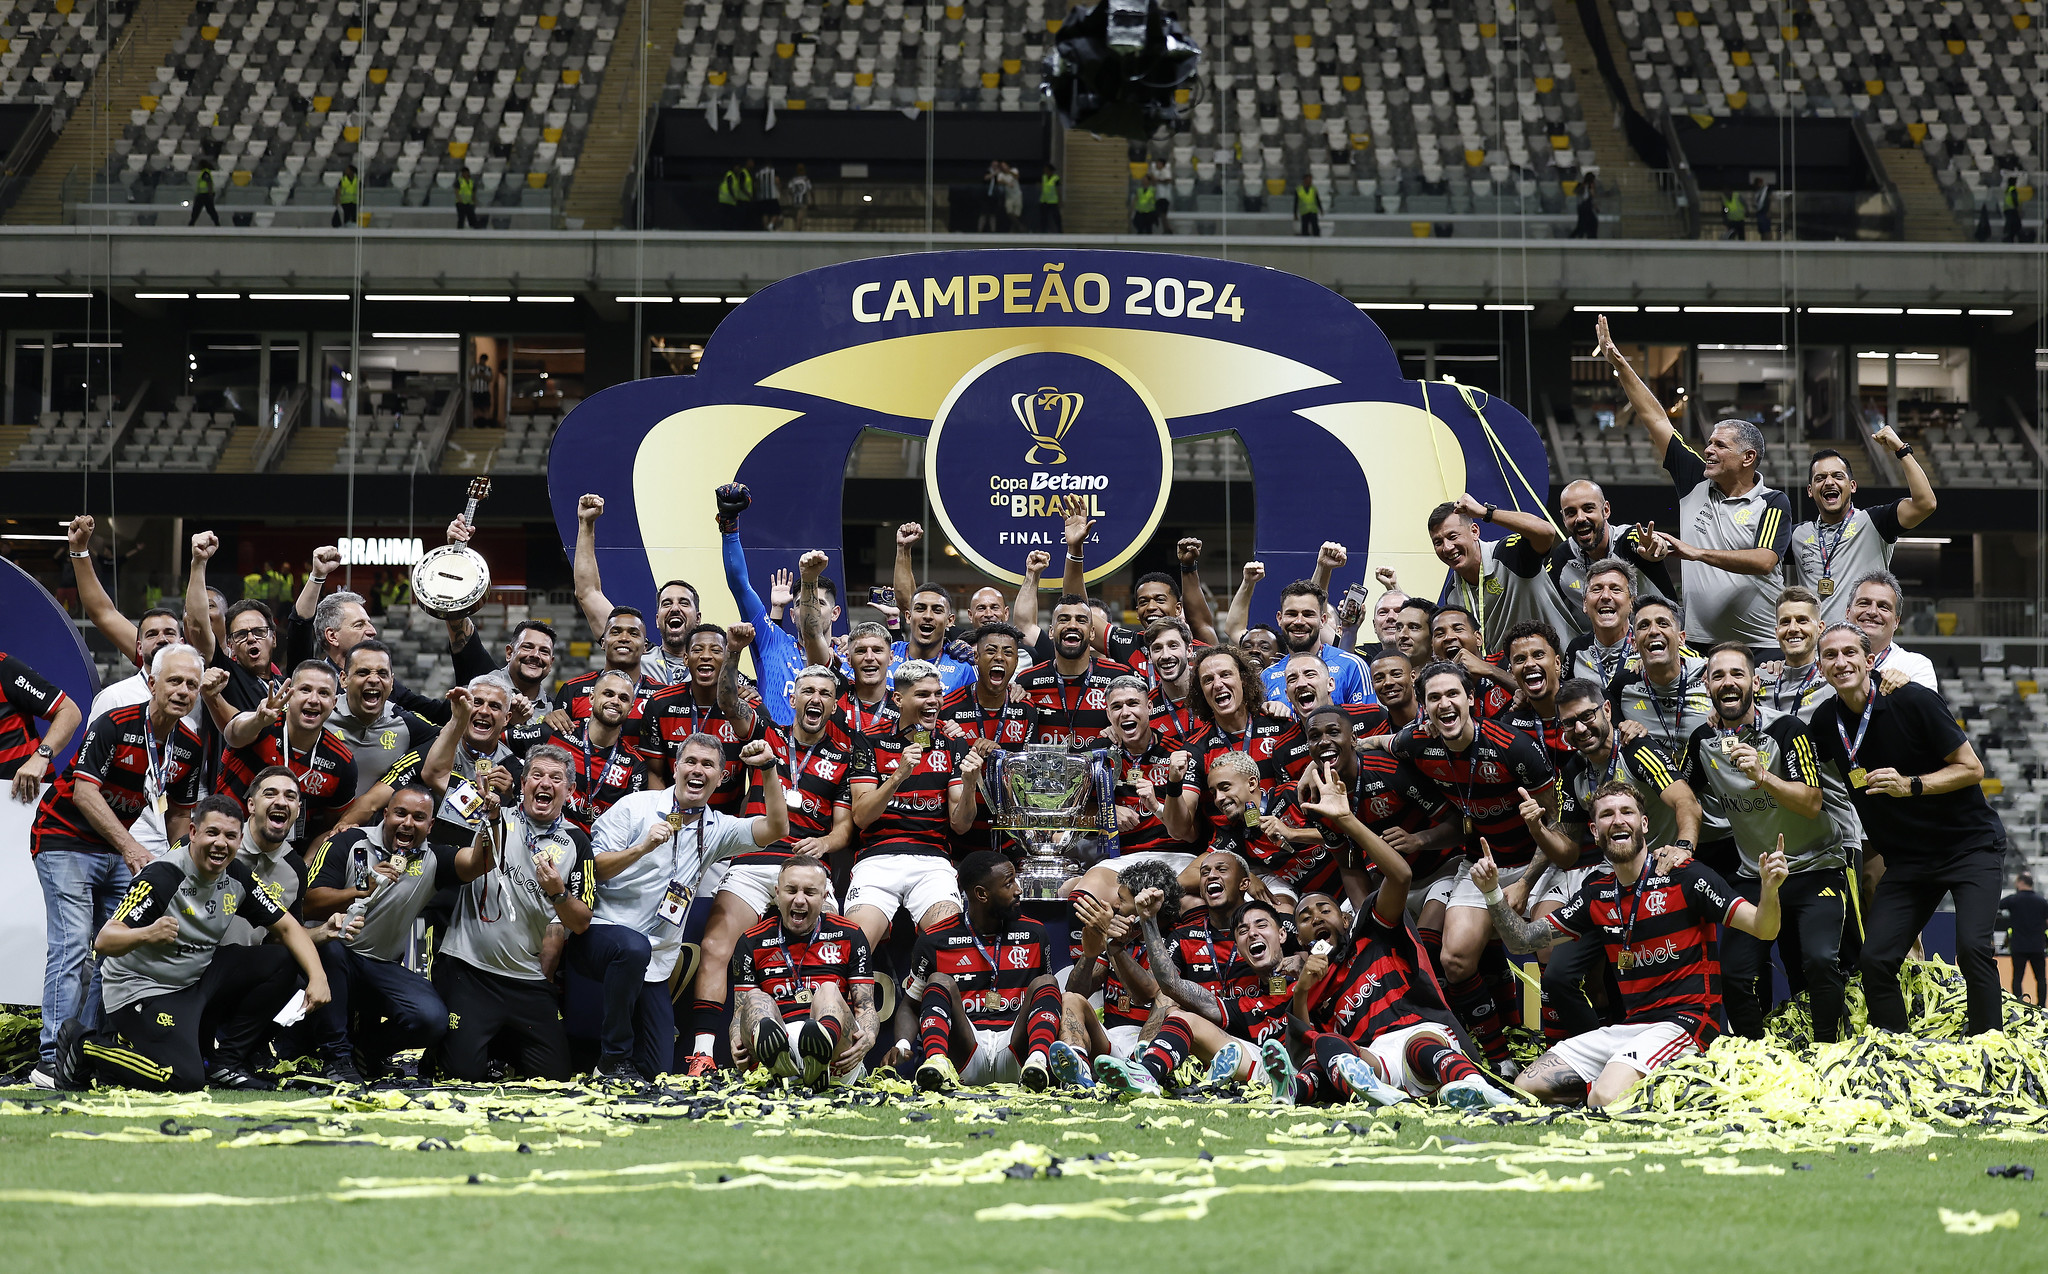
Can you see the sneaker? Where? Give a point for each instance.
(1357, 1075)
(1280, 1067)
(67, 1069)
(1126, 1079)
(41, 1078)
(937, 1074)
(771, 1049)
(1035, 1075)
(1509, 1070)
(702, 1066)
(1069, 1066)
(238, 1080)
(621, 1071)
(1472, 1093)
(1223, 1066)
(815, 1045)
(341, 1071)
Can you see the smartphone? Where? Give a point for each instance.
(881, 597)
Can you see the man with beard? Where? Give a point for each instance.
(607, 766)
(1844, 543)
(1501, 583)
(1603, 647)
(290, 729)
(980, 999)
(1300, 622)
(815, 758)
(1154, 595)
(1874, 606)
(1763, 768)
(178, 998)
(384, 876)
(328, 627)
(376, 730)
(1170, 667)
(1156, 795)
(677, 608)
(1664, 699)
(1389, 797)
(274, 862)
(1232, 721)
(1917, 785)
(778, 657)
(911, 794)
(927, 617)
(803, 986)
(529, 667)
(1737, 529)
(1589, 541)
(132, 758)
(1068, 689)
(624, 647)
(1224, 1029)
(529, 871)
(1658, 930)
(1501, 782)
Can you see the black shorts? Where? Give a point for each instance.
(484, 1006)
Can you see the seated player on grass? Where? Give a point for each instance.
(802, 985)
(1111, 996)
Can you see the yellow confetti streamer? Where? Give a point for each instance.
(1979, 1223)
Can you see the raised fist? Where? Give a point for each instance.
(733, 499)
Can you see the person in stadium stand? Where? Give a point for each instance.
(1502, 583)
(927, 616)
(1590, 538)
(1069, 689)
(1603, 647)
(184, 1009)
(290, 729)
(1844, 543)
(1657, 926)
(1501, 783)
(376, 730)
(2026, 936)
(778, 656)
(803, 986)
(1586, 721)
(1379, 1026)
(607, 764)
(132, 757)
(1736, 529)
(386, 873)
(1170, 668)
(981, 1000)
(678, 608)
(1664, 698)
(1917, 785)
(1875, 605)
(328, 627)
(1111, 997)
(26, 758)
(653, 850)
(1762, 767)
(527, 876)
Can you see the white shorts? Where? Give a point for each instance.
(1642, 1046)
(754, 885)
(848, 1080)
(1457, 889)
(914, 882)
(1390, 1049)
(1421, 891)
(1123, 1042)
(1279, 888)
(993, 1062)
(1564, 884)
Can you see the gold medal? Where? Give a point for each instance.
(922, 738)
(1858, 776)
(1468, 824)
(1826, 587)
(675, 820)
(1625, 961)
(1276, 986)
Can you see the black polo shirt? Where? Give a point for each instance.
(1912, 732)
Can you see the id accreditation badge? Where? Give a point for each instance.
(675, 903)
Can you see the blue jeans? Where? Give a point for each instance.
(80, 892)
(616, 958)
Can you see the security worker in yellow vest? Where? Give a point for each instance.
(736, 194)
(1308, 206)
(1734, 214)
(1145, 217)
(2009, 200)
(202, 196)
(346, 193)
(465, 201)
(254, 588)
(1049, 202)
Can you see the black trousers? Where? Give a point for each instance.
(392, 1008)
(466, 218)
(1812, 905)
(483, 1006)
(1311, 225)
(2038, 962)
(1049, 221)
(202, 203)
(162, 1043)
(615, 958)
(1906, 900)
(1570, 967)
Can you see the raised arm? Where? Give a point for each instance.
(439, 762)
(730, 701)
(584, 575)
(1076, 524)
(1192, 996)
(1919, 504)
(1328, 558)
(198, 623)
(1761, 919)
(964, 796)
(326, 561)
(1194, 599)
(812, 630)
(246, 727)
(903, 575)
(773, 823)
(1024, 611)
(1647, 408)
(92, 595)
(1534, 528)
(1519, 934)
(1239, 616)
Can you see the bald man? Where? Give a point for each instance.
(1590, 536)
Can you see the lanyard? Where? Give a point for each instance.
(159, 763)
(1180, 715)
(1673, 728)
(1067, 705)
(596, 777)
(1862, 727)
(1828, 548)
(981, 721)
(284, 745)
(1798, 691)
(994, 961)
(1628, 931)
(1599, 654)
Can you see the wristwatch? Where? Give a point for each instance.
(43, 751)
(1685, 845)
(1905, 449)
(1916, 786)
(1488, 515)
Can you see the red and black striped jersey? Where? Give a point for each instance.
(116, 756)
(1071, 709)
(1260, 1014)
(1386, 794)
(602, 774)
(1300, 869)
(1518, 715)
(24, 696)
(915, 821)
(574, 696)
(1174, 720)
(673, 714)
(791, 967)
(1366, 991)
(991, 972)
(1276, 743)
(865, 720)
(326, 772)
(1119, 1006)
(1012, 725)
(816, 785)
(1203, 952)
(1481, 783)
(1660, 938)
(1150, 834)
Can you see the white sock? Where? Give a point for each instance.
(703, 1044)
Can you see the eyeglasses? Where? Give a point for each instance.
(249, 634)
(1583, 721)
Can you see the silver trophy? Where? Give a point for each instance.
(1060, 806)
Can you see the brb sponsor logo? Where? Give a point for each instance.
(1032, 433)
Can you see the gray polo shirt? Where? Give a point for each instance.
(633, 897)
(1670, 715)
(1722, 605)
(344, 861)
(378, 742)
(1568, 564)
(280, 874)
(1788, 752)
(1514, 585)
(502, 916)
(1830, 558)
(204, 909)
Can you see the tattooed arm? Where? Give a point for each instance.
(1192, 996)
(1520, 935)
(861, 1038)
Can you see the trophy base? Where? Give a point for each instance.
(1041, 875)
